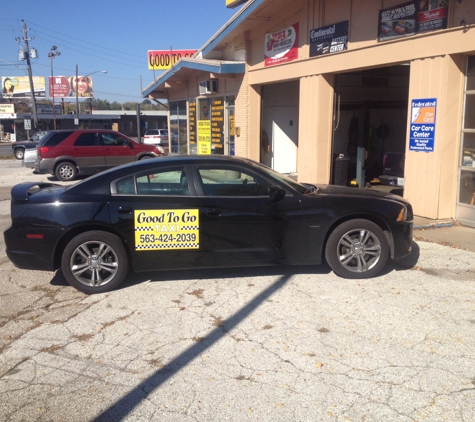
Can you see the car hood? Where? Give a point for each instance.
(26, 143)
(355, 192)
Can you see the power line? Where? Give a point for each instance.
(108, 48)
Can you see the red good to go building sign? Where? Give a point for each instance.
(164, 59)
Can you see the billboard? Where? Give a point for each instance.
(282, 46)
(19, 86)
(165, 59)
(66, 87)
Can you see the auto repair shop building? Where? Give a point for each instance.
(314, 87)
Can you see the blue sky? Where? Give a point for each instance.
(112, 35)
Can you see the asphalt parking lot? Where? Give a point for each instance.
(266, 344)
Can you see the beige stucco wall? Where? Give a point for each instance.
(436, 60)
(431, 178)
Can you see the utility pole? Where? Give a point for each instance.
(26, 55)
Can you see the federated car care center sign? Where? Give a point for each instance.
(166, 229)
(422, 131)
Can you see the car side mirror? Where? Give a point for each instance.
(276, 193)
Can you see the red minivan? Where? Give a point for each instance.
(67, 153)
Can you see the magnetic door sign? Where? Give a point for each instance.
(166, 229)
(422, 131)
(165, 59)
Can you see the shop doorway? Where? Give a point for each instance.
(370, 121)
(280, 116)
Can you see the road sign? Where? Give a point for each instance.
(27, 124)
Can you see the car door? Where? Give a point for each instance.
(117, 149)
(240, 223)
(158, 216)
(88, 152)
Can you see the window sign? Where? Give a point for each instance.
(422, 131)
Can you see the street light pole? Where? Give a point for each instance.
(77, 93)
(51, 55)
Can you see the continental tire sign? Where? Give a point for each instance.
(164, 59)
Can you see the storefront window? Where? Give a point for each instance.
(469, 119)
(466, 194)
(467, 188)
(178, 128)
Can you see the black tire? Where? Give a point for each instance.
(357, 249)
(95, 262)
(145, 157)
(19, 153)
(66, 171)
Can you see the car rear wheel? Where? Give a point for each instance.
(357, 249)
(19, 153)
(66, 171)
(94, 262)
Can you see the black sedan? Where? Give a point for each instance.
(201, 211)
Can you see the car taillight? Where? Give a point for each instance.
(43, 150)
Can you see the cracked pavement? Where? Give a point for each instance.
(268, 344)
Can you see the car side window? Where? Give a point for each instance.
(54, 138)
(112, 139)
(229, 181)
(87, 140)
(165, 182)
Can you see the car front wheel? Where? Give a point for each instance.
(19, 153)
(66, 171)
(94, 262)
(357, 249)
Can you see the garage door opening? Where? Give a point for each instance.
(370, 121)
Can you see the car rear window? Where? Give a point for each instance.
(54, 138)
(151, 132)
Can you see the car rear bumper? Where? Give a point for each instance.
(44, 165)
(392, 180)
(34, 255)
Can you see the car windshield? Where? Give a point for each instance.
(281, 177)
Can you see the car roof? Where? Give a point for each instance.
(107, 176)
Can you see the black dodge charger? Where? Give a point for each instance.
(201, 211)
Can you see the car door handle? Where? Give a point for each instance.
(125, 210)
(213, 212)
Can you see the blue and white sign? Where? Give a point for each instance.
(422, 131)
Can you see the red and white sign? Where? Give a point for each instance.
(282, 46)
(59, 87)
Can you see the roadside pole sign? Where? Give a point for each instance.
(27, 124)
(422, 131)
